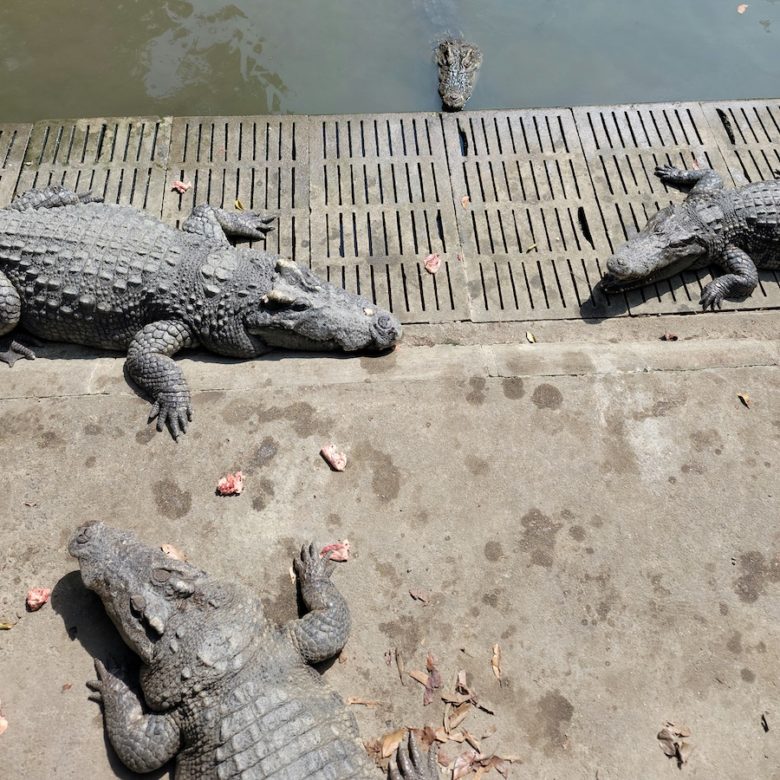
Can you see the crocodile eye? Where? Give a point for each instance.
(160, 576)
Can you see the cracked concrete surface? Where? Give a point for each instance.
(603, 508)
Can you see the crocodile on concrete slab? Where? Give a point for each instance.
(85, 272)
(736, 229)
(457, 60)
(222, 690)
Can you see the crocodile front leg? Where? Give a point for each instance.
(144, 741)
(412, 765)
(324, 631)
(702, 180)
(149, 364)
(737, 284)
(10, 311)
(218, 224)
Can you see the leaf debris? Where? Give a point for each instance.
(745, 398)
(672, 740)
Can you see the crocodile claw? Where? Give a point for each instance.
(309, 565)
(173, 409)
(15, 351)
(712, 296)
(412, 764)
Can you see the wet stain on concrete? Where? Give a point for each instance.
(734, 644)
(757, 573)
(385, 475)
(553, 714)
(538, 538)
(476, 465)
(333, 521)
(282, 606)
(145, 435)
(263, 455)
(491, 598)
(577, 532)
(747, 675)
(661, 407)
(706, 440)
(171, 500)
(724, 608)
(619, 456)
(51, 439)
(512, 387)
(388, 572)
(379, 364)
(404, 634)
(302, 415)
(547, 396)
(266, 488)
(92, 429)
(476, 396)
(493, 551)
(693, 468)
(90, 461)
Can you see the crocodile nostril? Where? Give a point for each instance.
(84, 534)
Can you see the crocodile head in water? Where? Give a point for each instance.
(141, 588)
(459, 63)
(670, 242)
(287, 306)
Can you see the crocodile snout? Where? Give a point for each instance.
(84, 534)
(386, 330)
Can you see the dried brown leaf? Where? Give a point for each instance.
(391, 741)
(529, 337)
(399, 663)
(335, 459)
(67, 687)
(495, 662)
(465, 201)
(459, 714)
(363, 702)
(7, 626)
(173, 552)
(420, 677)
(745, 398)
(420, 595)
(239, 205)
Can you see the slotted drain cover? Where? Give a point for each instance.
(380, 204)
(528, 220)
(748, 134)
(13, 142)
(123, 160)
(260, 161)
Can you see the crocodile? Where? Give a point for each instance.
(78, 270)
(458, 61)
(736, 229)
(224, 691)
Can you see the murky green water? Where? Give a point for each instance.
(188, 57)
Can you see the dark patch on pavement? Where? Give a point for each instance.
(145, 435)
(476, 465)
(757, 572)
(90, 461)
(553, 714)
(538, 538)
(735, 643)
(171, 500)
(386, 477)
(263, 455)
(513, 387)
(577, 532)
(281, 607)
(493, 551)
(546, 396)
(404, 634)
(747, 675)
(476, 396)
(92, 429)
(379, 364)
(266, 488)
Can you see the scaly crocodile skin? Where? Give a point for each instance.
(223, 690)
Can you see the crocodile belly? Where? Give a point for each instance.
(288, 729)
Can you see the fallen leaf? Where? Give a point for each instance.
(363, 702)
(420, 677)
(399, 662)
(239, 205)
(181, 186)
(764, 722)
(529, 337)
(7, 626)
(339, 550)
(741, 8)
(669, 337)
(173, 552)
(465, 201)
(291, 572)
(37, 597)
(336, 460)
(231, 484)
(421, 595)
(432, 263)
(745, 398)
(495, 662)
(672, 741)
(433, 682)
(31, 503)
(531, 248)
(67, 687)
(458, 715)
(391, 741)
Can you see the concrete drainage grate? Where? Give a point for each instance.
(380, 203)
(531, 228)
(121, 159)
(260, 161)
(13, 142)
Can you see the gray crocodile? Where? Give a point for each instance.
(736, 229)
(223, 690)
(76, 270)
(457, 60)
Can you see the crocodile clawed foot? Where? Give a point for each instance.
(15, 351)
(412, 763)
(309, 565)
(174, 410)
(712, 297)
(256, 223)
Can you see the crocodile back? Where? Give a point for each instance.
(752, 221)
(83, 272)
